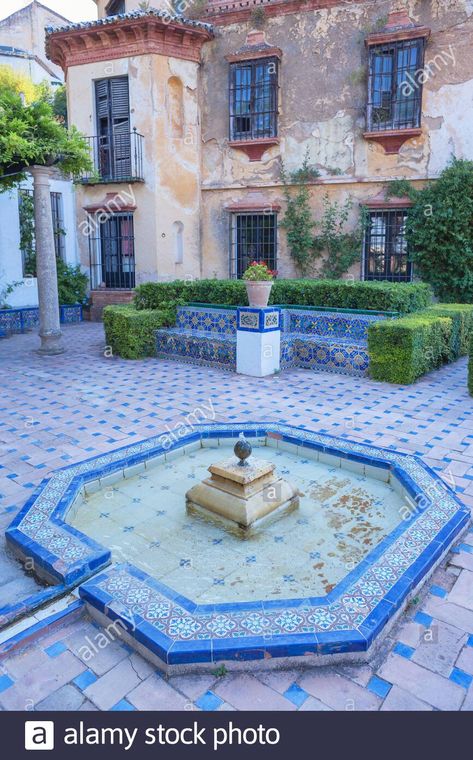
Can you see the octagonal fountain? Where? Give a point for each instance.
(282, 543)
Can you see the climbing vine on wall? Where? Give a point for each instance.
(297, 220)
(336, 248)
(330, 251)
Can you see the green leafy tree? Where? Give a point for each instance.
(440, 232)
(59, 104)
(31, 133)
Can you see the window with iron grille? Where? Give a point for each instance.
(394, 90)
(58, 225)
(386, 254)
(27, 236)
(253, 99)
(253, 238)
(27, 233)
(112, 251)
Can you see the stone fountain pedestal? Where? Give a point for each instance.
(242, 493)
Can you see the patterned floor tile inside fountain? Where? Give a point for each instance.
(342, 516)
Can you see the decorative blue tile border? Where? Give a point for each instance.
(250, 319)
(19, 320)
(180, 631)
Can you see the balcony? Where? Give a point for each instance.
(116, 157)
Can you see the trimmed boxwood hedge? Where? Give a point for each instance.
(343, 294)
(130, 333)
(403, 350)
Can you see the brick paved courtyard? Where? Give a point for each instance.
(55, 411)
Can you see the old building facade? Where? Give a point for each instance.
(189, 121)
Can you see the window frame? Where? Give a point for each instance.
(113, 274)
(59, 231)
(254, 132)
(113, 148)
(391, 239)
(395, 48)
(237, 263)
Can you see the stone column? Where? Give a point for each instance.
(258, 341)
(46, 272)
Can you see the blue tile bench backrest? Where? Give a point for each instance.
(329, 324)
(26, 318)
(206, 319)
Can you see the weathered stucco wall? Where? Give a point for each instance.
(162, 92)
(322, 103)
(191, 172)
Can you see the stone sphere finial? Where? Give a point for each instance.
(242, 450)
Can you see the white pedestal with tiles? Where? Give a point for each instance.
(258, 341)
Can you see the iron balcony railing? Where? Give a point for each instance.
(116, 157)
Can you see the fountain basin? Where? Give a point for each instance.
(177, 622)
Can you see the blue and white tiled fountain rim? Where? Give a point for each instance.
(178, 630)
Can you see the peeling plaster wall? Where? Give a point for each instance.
(171, 190)
(322, 104)
(191, 172)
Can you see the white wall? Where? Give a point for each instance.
(11, 268)
(30, 68)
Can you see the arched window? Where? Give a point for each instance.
(178, 228)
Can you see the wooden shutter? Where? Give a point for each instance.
(113, 125)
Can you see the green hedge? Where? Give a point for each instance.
(130, 333)
(403, 350)
(461, 315)
(470, 368)
(342, 294)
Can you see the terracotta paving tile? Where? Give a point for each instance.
(440, 647)
(462, 592)
(41, 681)
(338, 692)
(421, 683)
(245, 692)
(400, 700)
(156, 694)
(111, 687)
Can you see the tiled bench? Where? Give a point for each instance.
(201, 336)
(20, 320)
(329, 341)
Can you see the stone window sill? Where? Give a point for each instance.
(254, 149)
(393, 139)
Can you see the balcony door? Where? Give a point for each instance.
(113, 128)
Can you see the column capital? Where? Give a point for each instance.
(41, 172)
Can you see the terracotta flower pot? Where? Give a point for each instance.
(258, 292)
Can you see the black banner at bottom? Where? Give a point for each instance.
(230, 735)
